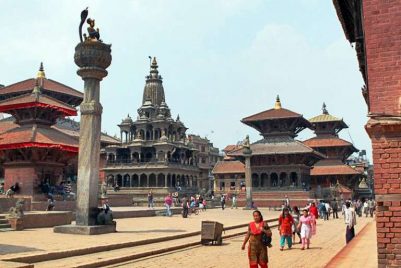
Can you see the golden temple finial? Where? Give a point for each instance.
(277, 105)
(41, 73)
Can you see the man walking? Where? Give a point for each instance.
(150, 199)
(223, 201)
(371, 205)
(335, 206)
(234, 202)
(350, 221)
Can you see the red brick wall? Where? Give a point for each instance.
(25, 176)
(382, 26)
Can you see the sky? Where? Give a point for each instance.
(220, 60)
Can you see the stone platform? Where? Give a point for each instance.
(85, 230)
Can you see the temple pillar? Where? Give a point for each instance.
(248, 177)
(93, 57)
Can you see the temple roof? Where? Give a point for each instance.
(65, 125)
(48, 84)
(327, 142)
(324, 118)
(341, 169)
(37, 136)
(228, 167)
(32, 100)
(231, 147)
(277, 122)
(264, 147)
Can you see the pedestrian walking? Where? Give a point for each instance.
(285, 223)
(328, 210)
(295, 230)
(335, 206)
(168, 202)
(234, 202)
(313, 210)
(372, 205)
(257, 250)
(185, 206)
(305, 225)
(150, 199)
(366, 208)
(350, 221)
(223, 201)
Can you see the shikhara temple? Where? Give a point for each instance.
(155, 151)
(281, 165)
(39, 142)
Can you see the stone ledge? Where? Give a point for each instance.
(85, 230)
(7, 264)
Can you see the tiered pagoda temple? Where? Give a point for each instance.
(327, 172)
(39, 142)
(33, 151)
(155, 151)
(279, 161)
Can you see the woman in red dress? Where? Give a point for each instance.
(285, 222)
(313, 211)
(257, 252)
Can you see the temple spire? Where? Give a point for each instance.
(41, 72)
(324, 109)
(277, 105)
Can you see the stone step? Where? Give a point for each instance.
(6, 229)
(2, 221)
(5, 225)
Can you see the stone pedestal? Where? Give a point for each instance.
(248, 178)
(93, 57)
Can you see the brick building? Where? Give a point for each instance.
(374, 26)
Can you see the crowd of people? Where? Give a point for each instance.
(301, 222)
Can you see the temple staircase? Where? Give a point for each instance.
(4, 225)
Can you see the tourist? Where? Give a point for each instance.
(234, 202)
(305, 225)
(285, 222)
(296, 215)
(168, 202)
(334, 206)
(14, 189)
(372, 205)
(68, 190)
(185, 206)
(116, 187)
(223, 201)
(313, 210)
(366, 208)
(328, 210)
(60, 190)
(50, 203)
(2, 188)
(150, 199)
(287, 202)
(257, 251)
(204, 204)
(350, 221)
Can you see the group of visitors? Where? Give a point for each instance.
(63, 189)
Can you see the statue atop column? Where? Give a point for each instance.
(93, 34)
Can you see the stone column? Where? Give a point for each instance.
(93, 58)
(248, 177)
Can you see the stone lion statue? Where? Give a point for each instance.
(18, 210)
